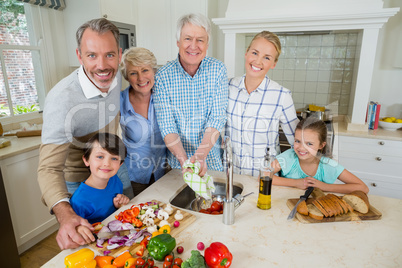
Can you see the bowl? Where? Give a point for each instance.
(389, 126)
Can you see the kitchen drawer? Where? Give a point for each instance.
(364, 145)
(373, 163)
(388, 186)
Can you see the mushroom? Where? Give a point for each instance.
(169, 209)
(163, 222)
(178, 216)
(148, 221)
(152, 229)
(163, 215)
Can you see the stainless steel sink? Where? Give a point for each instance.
(185, 196)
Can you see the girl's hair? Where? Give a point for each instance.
(270, 37)
(316, 125)
(194, 19)
(137, 56)
(109, 142)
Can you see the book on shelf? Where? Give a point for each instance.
(373, 114)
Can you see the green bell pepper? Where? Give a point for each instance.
(161, 245)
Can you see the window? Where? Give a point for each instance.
(21, 79)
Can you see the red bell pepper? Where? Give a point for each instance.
(217, 255)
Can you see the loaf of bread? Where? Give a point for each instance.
(302, 208)
(358, 200)
(314, 212)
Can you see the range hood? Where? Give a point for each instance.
(365, 16)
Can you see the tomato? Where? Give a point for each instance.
(167, 264)
(151, 262)
(178, 261)
(204, 211)
(140, 261)
(215, 212)
(169, 258)
(175, 266)
(216, 206)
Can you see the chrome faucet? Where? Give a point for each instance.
(230, 203)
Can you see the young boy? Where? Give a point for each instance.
(101, 194)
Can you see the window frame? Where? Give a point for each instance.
(40, 36)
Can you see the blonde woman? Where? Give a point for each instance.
(257, 106)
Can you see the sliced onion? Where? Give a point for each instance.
(106, 252)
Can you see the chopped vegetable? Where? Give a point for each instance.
(200, 246)
(79, 258)
(195, 261)
(160, 246)
(218, 255)
(169, 209)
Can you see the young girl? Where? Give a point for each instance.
(305, 165)
(257, 106)
(101, 194)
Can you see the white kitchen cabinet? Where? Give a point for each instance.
(78, 12)
(157, 23)
(31, 219)
(375, 161)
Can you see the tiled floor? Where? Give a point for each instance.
(41, 253)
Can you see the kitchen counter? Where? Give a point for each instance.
(340, 129)
(19, 145)
(261, 237)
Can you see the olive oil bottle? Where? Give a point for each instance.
(265, 178)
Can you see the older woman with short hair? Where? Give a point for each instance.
(146, 151)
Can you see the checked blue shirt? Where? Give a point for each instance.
(188, 105)
(253, 122)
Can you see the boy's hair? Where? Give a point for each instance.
(316, 125)
(109, 142)
(270, 37)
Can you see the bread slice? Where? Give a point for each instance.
(302, 208)
(338, 207)
(358, 200)
(342, 204)
(327, 205)
(314, 212)
(320, 207)
(347, 205)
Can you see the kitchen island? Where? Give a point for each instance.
(265, 237)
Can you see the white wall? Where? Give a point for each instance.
(386, 87)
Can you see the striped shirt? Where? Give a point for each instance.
(188, 105)
(253, 122)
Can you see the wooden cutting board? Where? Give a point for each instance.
(188, 219)
(372, 214)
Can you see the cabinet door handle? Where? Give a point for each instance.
(381, 143)
(105, 16)
(374, 184)
(378, 158)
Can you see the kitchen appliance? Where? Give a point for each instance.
(302, 198)
(127, 35)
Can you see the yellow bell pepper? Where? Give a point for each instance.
(90, 264)
(165, 229)
(79, 258)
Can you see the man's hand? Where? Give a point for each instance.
(120, 200)
(203, 162)
(67, 236)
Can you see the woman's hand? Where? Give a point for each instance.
(120, 200)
